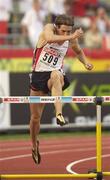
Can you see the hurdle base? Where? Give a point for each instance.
(99, 174)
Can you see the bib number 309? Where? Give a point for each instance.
(50, 59)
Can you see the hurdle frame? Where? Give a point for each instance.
(98, 101)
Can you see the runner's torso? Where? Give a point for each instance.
(50, 57)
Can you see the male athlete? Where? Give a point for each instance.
(48, 75)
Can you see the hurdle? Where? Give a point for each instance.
(98, 174)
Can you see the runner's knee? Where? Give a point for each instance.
(35, 118)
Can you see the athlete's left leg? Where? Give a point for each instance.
(36, 111)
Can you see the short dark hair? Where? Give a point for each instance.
(64, 19)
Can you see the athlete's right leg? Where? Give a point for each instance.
(36, 113)
(55, 84)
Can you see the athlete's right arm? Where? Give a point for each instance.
(50, 36)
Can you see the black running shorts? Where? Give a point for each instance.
(38, 81)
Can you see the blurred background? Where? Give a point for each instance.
(21, 21)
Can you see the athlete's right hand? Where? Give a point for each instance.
(78, 33)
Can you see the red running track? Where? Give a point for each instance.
(57, 154)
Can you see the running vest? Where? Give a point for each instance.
(50, 57)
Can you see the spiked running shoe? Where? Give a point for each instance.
(36, 155)
(60, 120)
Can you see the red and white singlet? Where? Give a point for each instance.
(50, 57)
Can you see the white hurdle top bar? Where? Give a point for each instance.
(51, 99)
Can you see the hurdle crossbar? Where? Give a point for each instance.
(47, 99)
(51, 99)
(43, 176)
(49, 176)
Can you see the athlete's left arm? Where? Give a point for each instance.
(80, 54)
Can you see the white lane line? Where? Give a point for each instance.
(46, 153)
(51, 152)
(44, 144)
(5, 149)
(43, 147)
(48, 141)
(14, 149)
(70, 166)
(54, 141)
(28, 155)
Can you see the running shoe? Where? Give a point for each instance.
(60, 120)
(36, 155)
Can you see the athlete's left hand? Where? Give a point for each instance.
(88, 66)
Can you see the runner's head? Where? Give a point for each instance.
(64, 24)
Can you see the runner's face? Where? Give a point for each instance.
(64, 30)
